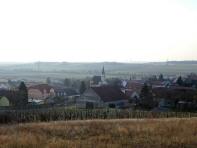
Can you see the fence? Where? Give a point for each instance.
(61, 113)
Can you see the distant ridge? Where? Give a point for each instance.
(182, 62)
(104, 62)
(42, 70)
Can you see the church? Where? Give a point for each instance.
(98, 81)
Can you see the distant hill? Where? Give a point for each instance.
(182, 62)
(81, 70)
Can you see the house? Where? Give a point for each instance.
(191, 80)
(4, 86)
(135, 85)
(40, 92)
(103, 96)
(65, 92)
(9, 98)
(133, 96)
(173, 96)
(66, 96)
(132, 89)
(98, 81)
(44, 93)
(4, 101)
(36, 102)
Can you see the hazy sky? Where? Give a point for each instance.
(98, 30)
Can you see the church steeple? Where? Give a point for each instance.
(103, 71)
(103, 75)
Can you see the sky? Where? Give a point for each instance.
(98, 30)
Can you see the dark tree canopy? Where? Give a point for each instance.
(180, 81)
(67, 82)
(145, 90)
(161, 77)
(23, 92)
(82, 87)
(153, 78)
(147, 96)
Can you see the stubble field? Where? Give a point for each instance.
(101, 133)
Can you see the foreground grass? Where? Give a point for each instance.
(101, 134)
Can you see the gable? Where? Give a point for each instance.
(4, 101)
(91, 95)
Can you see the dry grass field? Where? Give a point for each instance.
(101, 134)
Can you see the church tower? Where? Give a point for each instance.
(103, 76)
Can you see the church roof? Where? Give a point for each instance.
(96, 79)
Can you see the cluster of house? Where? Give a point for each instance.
(167, 93)
(37, 94)
(48, 94)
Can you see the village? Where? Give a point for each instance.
(155, 93)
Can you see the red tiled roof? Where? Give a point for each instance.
(109, 93)
(135, 86)
(174, 92)
(128, 93)
(42, 87)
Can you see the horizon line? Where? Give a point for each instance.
(129, 62)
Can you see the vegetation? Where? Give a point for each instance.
(61, 113)
(180, 81)
(23, 94)
(82, 87)
(67, 82)
(146, 97)
(101, 134)
(161, 78)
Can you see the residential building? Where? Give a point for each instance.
(9, 98)
(40, 92)
(132, 90)
(103, 96)
(174, 96)
(44, 93)
(4, 102)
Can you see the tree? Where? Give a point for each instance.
(153, 78)
(48, 80)
(161, 77)
(146, 97)
(67, 82)
(180, 81)
(23, 93)
(9, 82)
(82, 87)
(114, 82)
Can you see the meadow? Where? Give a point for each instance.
(138, 133)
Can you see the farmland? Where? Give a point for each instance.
(101, 133)
(40, 70)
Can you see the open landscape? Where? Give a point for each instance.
(60, 70)
(140, 133)
(98, 74)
